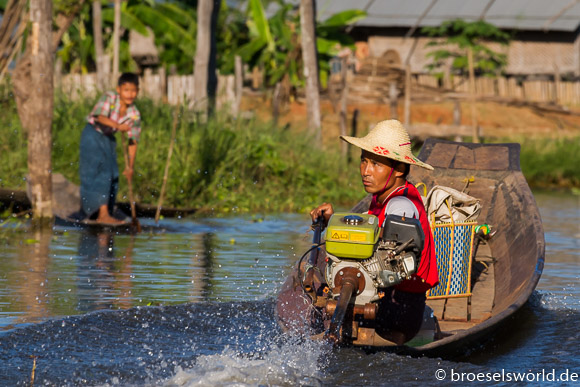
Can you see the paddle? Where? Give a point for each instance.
(134, 222)
(169, 153)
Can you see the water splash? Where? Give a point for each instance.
(293, 363)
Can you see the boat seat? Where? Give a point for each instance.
(454, 250)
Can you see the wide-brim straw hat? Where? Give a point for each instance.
(390, 139)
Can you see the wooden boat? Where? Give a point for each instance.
(66, 206)
(505, 270)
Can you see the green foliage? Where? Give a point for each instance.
(231, 166)
(77, 46)
(275, 43)
(174, 24)
(219, 167)
(461, 36)
(551, 163)
(13, 166)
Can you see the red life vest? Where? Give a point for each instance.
(427, 275)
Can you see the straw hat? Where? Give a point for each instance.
(389, 139)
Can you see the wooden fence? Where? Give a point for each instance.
(564, 93)
(173, 89)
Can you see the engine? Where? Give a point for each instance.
(378, 257)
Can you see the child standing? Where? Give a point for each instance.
(99, 172)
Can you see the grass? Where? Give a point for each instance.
(549, 162)
(227, 165)
(221, 166)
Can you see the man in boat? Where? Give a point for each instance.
(99, 172)
(386, 158)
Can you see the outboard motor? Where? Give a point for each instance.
(364, 259)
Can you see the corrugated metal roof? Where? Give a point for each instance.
(560, 15)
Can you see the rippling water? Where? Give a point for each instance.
(191, 303)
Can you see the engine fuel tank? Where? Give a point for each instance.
(351, 235)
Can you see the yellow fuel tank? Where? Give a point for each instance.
(350, 235)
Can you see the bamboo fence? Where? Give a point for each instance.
(172, 89)
(547, 91)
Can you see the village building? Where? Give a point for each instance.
(545, 34)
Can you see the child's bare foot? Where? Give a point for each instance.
(104, 216)
(109, 220)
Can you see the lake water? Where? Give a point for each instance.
(191, 304)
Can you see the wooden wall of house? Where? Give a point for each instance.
(526, 57)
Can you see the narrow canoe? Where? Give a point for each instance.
(506, 269)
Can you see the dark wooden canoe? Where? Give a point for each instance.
(66, 204)
(506, 269)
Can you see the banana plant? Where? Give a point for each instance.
(275, 42)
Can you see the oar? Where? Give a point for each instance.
(169, 153)
(134, 222)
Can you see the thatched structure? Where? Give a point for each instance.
(142, 48)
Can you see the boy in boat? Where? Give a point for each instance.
(99, 172)
(386, 158)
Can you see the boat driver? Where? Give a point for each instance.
(385, 162)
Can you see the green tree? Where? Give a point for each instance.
(274, 43)
(459, 36)
(174, 24)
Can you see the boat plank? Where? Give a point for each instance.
(454, 326)
(455, 309)
(438, 306)
(484, 288)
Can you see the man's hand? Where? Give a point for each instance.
(318, 211)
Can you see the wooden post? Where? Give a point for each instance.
(353, 131)
(472, 95)
(99, 50)
(41, 101)
(556, 84)
(256, 83)
(205, 77)
(163, 79)
(407, 113)
(168, 163)
(343, 106)
(239, 85)
(116, 38)
(457, 118)
(309, 54)
(393, 100)
(276, 102)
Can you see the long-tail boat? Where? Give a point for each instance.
(503, 270)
